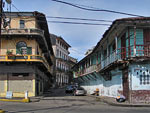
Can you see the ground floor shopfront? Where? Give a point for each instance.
(22, 78)
(132, 81)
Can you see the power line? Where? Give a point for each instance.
(64, 22)
(68, 18)
(95, 9)
(77, 23)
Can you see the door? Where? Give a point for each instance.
(147, 42)
(123, 46)
(125, 83)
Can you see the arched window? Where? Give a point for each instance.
(21, 48)
(21, 44)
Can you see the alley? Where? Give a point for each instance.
(58, 102)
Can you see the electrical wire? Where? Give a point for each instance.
(77, 23)
(68, 18)
(95, 9)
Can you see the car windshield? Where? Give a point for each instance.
(80, 88)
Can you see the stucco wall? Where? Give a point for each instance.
(140, 92)
(2, 86)
(29, 22)
(136, 70)
(20, 85)
(11, 45)
(109, 88)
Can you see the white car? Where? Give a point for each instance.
(79, 91)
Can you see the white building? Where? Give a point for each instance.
(61, 52)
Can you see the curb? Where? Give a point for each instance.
(120, 104)
(1, 111)
(12, 100)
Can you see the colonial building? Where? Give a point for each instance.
(26, 54)
(61, 52)
(120, 62)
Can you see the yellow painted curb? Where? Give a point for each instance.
(11, 100)
(1, 111)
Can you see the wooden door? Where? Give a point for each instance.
(125, 83)
(147, 42)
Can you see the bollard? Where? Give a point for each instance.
(26, 95)
(97, 91)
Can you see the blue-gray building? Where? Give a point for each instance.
(120, 62)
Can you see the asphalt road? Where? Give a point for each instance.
(59, 102)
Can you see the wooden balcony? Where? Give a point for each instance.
(119, 56)
(25, 58)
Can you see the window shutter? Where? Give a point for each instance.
(29, 50)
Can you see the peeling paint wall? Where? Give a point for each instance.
(140, 82)
(111, 88)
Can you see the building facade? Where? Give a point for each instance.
(26, 54)
(120, 62)
(61, 52)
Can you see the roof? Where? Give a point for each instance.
(59, 38)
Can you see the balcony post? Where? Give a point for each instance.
(107, 52)
(129, 48)
(101, 56)
(116, 42)
(134, 41)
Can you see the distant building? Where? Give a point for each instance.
(26, 55)
(72, 61)
(61, 52)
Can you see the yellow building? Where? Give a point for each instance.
(26, 54)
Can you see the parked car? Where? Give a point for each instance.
(79, 91)
(70, 89)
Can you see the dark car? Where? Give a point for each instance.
(70, 89)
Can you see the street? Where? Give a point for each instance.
(59, 102)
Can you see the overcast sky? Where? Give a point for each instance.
(82, 37)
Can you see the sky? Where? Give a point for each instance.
(82, 37)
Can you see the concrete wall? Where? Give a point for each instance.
(111, 88)
(140, 91)
(24, 85)
(29, 22)
(2, 85)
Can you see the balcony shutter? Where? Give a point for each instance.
(29, 50)
(18, 51)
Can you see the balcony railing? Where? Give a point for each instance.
(120, 54)
(24, 58)
(22, 32)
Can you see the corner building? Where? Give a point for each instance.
(120, 62)
(25, 54)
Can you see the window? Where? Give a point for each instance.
(60, 54)
(22, 24)
(57, 53)
(21, 48)
(144, 79)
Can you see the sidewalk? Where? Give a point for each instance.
(112, 101)
(15, 100)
